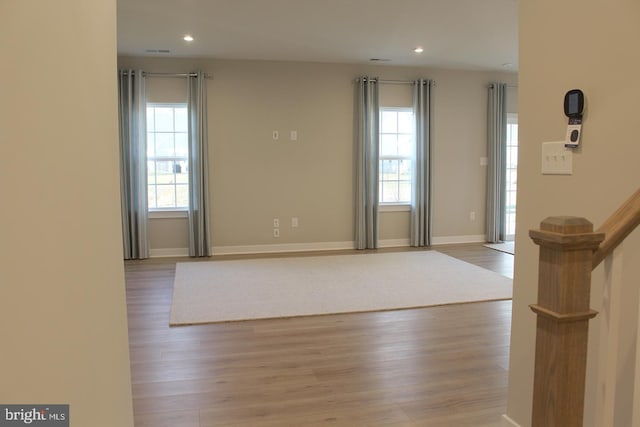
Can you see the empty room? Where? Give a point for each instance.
(344, 162)
(298, 213)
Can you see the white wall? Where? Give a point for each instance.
(255, 179)
(600, 56)
(63, 322)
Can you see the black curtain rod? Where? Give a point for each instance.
(508, 86)
(147, 74)
(397, 82)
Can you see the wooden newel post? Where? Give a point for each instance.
(566, 252)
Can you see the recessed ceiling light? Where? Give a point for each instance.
(418, 49)
(188, 38)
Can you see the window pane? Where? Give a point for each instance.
(512, 134)
(151, 172)
(151, 146)
(388, 145)
(164, 172)
(166, 196)
(150, 118)
(182, 145)
(511, 201)
(164, 119)
(390, 192)
(513, 156)
(164, 144)
(404, 170)
(181, 119)
(405, 145)
(405, 122)
(405, 191)
(151, 196)
(181, 172)
(389, 122)
(389, 170)
(182, 196)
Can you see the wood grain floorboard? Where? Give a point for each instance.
(438, 366)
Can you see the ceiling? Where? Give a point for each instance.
(465, 34)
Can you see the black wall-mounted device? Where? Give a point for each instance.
(573, 108)
(574, 103)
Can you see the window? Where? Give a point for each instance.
(396, 155)
(167, 156)
(512, 175)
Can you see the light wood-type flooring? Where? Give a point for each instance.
(439, 366)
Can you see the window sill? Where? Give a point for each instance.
(394, 208)
(168, 214)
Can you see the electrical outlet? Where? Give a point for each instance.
(276, 232)
(276, 135)
(294, 135)
(294, 222)
(276, 223)
(472, 216)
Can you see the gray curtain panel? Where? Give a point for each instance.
(420, 228)
(199, 211)
(133, 163)
(497, 154)
(367, 117)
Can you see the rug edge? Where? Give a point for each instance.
(296, 316)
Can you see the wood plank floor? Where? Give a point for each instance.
(440, 366)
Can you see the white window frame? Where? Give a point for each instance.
(401, 206)
(172, 211)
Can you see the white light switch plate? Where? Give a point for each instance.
(556, 159)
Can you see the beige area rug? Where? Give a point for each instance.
(223, 291)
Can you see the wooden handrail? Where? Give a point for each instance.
(617, 227)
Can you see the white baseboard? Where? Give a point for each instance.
(301, 247)
(285, 247)
(394, 243)
(450, 240)
(508, 422)
(308, 247)
(168, 252)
